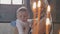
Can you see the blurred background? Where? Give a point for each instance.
(8, 10)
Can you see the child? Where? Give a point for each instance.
(22, 25)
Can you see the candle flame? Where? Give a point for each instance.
(34, 5)
(39, 3)
(48, 8)
(48, 21)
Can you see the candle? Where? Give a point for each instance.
(34, 17)
(39, 10)
(36, 12)
(48, 11)
(48, 23)
(38, 15)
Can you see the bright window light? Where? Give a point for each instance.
(11, 2)
(17, 2)
(5, 1)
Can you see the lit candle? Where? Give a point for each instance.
(38, 15)
(34, 17)
(36, 25)
(48, 23)
(39, 10)
(34, 11)
(48, 11)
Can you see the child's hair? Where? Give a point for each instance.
(22, 9)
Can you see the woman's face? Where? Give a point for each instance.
(22, 15)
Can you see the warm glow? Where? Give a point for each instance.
(34, 5)
(48, 21)
(39, 3)
(59, 31)
(48, 8)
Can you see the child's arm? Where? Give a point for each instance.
(16, 31)
(26, 28)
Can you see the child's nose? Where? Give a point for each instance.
(23, 17)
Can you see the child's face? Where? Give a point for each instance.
(23, 16)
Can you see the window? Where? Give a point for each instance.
(5, 1)
(16, 1)
(11, 2)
